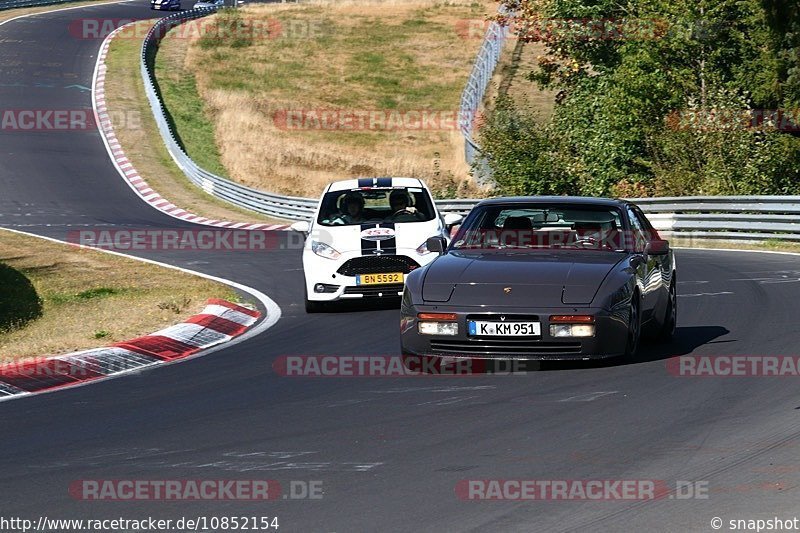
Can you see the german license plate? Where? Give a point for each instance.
(504, 329)
(379, 279)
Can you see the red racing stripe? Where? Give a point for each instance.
(217, 323)
(159, 346)
(239, 308)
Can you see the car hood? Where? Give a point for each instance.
(518, 279)
(358, 238)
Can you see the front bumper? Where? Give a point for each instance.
(610, 339)
(319, 270)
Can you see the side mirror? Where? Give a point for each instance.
(658, 247)
(436, 245)
(451, 219)
(302, 226)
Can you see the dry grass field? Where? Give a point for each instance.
(396, 59)
(58, 298)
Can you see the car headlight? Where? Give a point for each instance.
(437, 324)
(572, 330)
(572, 326)
(323, 250)
(422, 249)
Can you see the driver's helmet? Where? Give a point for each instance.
(400, 195)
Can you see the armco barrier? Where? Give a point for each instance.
(477, 84)
(715, 217)
(286, 207)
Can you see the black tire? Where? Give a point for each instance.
(634, 329)
(667, 330)
(313, 307)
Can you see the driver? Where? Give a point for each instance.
(400, 202)
(352, 207)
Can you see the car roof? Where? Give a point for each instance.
(356, 183)
(577, 200)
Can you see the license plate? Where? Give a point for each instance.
(504, 329)
(379, 279)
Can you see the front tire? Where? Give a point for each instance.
(634, 330)
(668, 327)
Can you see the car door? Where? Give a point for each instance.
(650, 270)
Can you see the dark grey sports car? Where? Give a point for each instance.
(542, 278)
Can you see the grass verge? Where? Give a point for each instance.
(58, 298)
(512, 79)
(767, 245)
(397, 57)
(136, 130)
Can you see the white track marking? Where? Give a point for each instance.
(588, 397)
(722, 293)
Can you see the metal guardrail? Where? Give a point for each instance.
(11, 4)
(286, 207)
(477, 84)
(713, 217)
(726, 217)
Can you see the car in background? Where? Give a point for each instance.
(366, 236)
(209, 3)
(542, 278)
(165, 5)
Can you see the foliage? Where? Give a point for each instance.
(629, 74)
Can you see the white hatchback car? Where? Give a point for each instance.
(366, 235)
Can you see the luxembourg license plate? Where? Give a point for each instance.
(379, 279)
(504, 329)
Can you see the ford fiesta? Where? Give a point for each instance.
(366, 236)
(542, 278)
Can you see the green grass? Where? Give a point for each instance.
(91, 294)
(56, 298)
(187, 111)
(396, 58)
(143, 145)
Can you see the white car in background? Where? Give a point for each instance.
(209, 3)
(366, 235)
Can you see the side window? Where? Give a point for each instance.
(638, 236)
(650, 232)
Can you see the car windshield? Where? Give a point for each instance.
(376, 205)
(542, 226)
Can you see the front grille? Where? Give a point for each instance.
(501, 317)
(507, 347)
(376, 291)
(378, 265)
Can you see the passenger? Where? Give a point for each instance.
(352, 207)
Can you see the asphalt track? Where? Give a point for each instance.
(389, 452)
